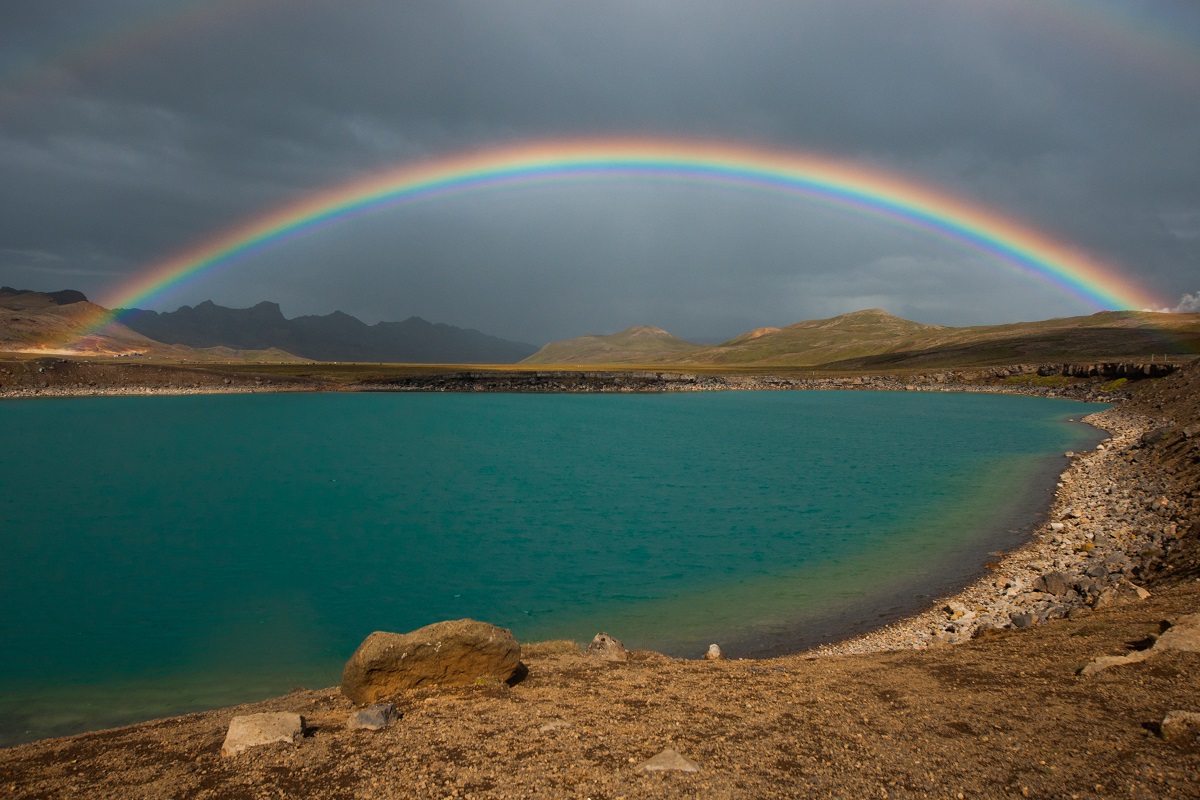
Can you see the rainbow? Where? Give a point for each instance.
(867, 190)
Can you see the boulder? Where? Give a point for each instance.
(714, 653)
(373, 718)
(255, 730)
(454, 653)
(607, 648)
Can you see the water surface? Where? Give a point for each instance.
(165, 554)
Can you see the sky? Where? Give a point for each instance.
(132, 130)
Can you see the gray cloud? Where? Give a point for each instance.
(115, 158)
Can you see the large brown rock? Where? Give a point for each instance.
(454, 653)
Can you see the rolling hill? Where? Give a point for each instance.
(639, 344)
(876, 340)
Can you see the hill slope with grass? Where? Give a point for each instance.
(876, 340)
(636, 345)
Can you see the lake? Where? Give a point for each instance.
(166, 554)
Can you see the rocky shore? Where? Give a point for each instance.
(1100, 381)
(62, 377)
(1113, 523)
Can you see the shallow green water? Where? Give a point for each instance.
(164, 554)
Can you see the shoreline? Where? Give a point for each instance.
(1059, 543)
(1063, 542)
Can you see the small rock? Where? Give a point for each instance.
(373, 718)
(1053, 583)
(254, 730)
(606, 647)
(554, 725)
(1024, 620)
(1104, 662)
(1057, 526)
(1180, 725)
(714, 653)
(668, 760)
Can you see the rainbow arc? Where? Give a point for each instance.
(860, 189)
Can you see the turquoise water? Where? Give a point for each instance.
(159, 555)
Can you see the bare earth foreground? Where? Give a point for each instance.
(1001, 712)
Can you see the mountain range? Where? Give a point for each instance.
(332, 337)
(871, 340)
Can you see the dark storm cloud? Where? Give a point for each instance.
(114, 158)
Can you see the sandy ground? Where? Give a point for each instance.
(1005, 713)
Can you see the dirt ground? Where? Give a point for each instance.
(1006, 714)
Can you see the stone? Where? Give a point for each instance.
(373, 718)
(714, 653)
(255, 730)
(1121, 592)
(1183, 636)
(1180, 725)
(668, 760)
(1104, 662)
(1024, 620)
(607, 648)
(1052, 583)
(453, 653)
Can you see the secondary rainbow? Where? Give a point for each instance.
(860, 188)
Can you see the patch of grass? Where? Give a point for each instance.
(554, 647)
(1112, 386)
(1047, 381)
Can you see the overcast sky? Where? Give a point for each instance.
(133, 129)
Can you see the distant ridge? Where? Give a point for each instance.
(641, 343)
(65, 297)
(873, 339)
(332, 337)
(49, 323)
